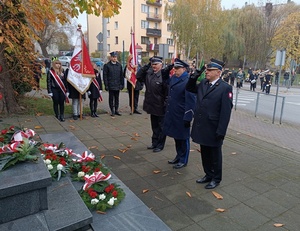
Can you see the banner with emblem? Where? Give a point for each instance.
(81, 71)
(132, 63)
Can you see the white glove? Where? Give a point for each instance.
(50, 94)
(100, 91)
(89, 92)
(67, 94)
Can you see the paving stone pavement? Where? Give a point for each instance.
(261, 169)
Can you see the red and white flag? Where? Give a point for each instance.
(81, 71)
(132, 63)
(152, 46)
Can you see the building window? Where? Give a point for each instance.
(116, 40)
(169, 13)
(108, 33)
(116, 25)
(169, 27)
(156, 25)
(144, 24)
(170, 42)
(108, 47)
(171, 0)
(145, 40)
(145, 9)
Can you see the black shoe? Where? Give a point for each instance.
(175, 161)
(203, 180)
(179, 165)
(151, 147)
(61, 118)
(92, 115)
(75, 117)
(157, 149)
(117, 113)
(211, 185)
(95, 115)
(137, 112)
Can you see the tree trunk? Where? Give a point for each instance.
(8, 102)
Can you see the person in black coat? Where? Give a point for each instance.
(155, 99)
(114, 82)
(94, 92)
(136, 93)
(179, 113)
(212, 116)
(57, 88)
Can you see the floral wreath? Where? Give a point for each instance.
(17, 145)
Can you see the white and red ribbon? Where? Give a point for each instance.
(94, 178)
(20, 135)
(95, 82)
(84, 157)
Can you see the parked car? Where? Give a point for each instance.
(65, 60)
(98, 62)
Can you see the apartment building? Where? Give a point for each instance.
(145, 18)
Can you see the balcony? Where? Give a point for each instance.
(154, 17)
(155, 3)
(154, 48)
(153, 32)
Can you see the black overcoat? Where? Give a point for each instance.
(212, 113)
(113, 76)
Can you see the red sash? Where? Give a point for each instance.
(95, 82)
(60, 84)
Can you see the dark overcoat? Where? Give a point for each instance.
(95, 94)
(156, 93)
(180, 108)
(113, 76)
(212, 113)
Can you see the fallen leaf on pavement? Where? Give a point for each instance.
(165, 174)
(135, 139)
(102, 156)
(220, 210)
(278, 225)
(217, 195)
(123, 150)
(95, 147)
(179, 173)
(100, 212)
(156, 171)
(72, 127)
(189, 194)
(128, 146)
(145, 190)
(39, 114)
(233, 153)
(158, 198)
(117, 157)
(38, 127)
(136, 134)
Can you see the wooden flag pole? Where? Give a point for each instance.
(132, 99)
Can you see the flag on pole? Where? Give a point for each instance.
(202, 76)
(152, 46)
(132, 63)
(81, 71)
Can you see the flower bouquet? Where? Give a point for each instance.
(57, 158)
(16, 145)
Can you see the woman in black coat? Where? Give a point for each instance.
(94, 92)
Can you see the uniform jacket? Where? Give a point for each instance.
(95, 94)
(180, 108)
(51, 83)
(113, 76)
(212, 113)
(156, 94)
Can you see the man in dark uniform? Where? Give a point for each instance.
(155, 98)
(114, 82)
(179, 113)
(212, 115)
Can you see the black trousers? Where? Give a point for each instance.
(212, 162)
(182, 150)
(158, 137)
(113, 99)
(58, 99)
(136, 94)
(93, 104)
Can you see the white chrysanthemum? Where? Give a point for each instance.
(59, 167)
(80, 174)
(47, 161)
(102, 196)
(111, 201)
(94, 201)
(50, 166)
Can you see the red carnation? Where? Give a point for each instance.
(3, 132)
(97, 169)
(115, 193)
(12, 127)
(1, 139)
(93, 194)
(63, 162)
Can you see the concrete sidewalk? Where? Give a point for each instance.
(261, 169)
